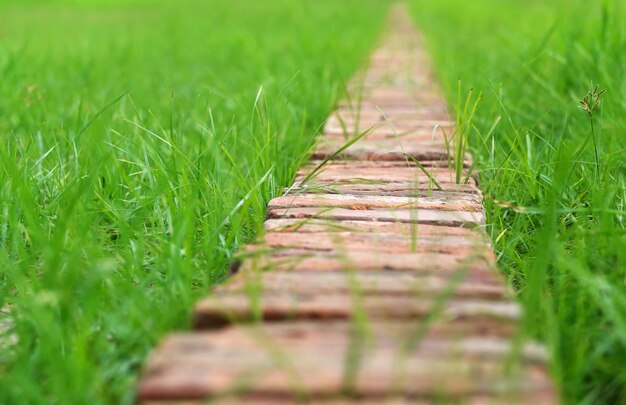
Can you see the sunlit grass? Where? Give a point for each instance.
(141, 141)
(554, 189)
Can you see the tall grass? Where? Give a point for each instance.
(554, 185)
(141, 140)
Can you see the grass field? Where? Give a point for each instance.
(555, 192)
(141, 140)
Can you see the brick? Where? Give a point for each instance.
(431, 166)
(395, 93)
(395, 127)
(385, 142)
(398, 228)
(365, 152)
(223, 308)
(383, 243)
(371, 109)
(360, 172)
(404, 104)
(420, 216)
(380, 114)
(527, 398)
(542, 397)
(407, 188)
(440, 201)
(427, 263)
(420, 136)
(367, 283)
(369, 118)
(302, 360)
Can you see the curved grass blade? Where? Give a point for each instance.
(334, 155)
(423, 169)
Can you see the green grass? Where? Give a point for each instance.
(557, 217)
(141, 140)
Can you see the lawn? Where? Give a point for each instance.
(554, 190)
(141, 140)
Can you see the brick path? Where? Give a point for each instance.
(370, 284)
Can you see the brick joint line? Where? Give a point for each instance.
(371, 284)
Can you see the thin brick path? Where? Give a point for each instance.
(370, 285)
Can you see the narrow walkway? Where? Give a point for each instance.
(370, 285)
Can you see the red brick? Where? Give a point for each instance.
(375, 117)
(427, 263)
(384, 142)
(284, 362)
(398, 228)
(463, 202)
(418, 137)
(408, 189)
(363, 152)
(383, 243)
(437, 166)
(421, 216)
(371, 109)
(393, 127)
(359, 172)
(367, 283)
(370, 171)
(223, 307)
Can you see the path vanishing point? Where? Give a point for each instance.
(370, 285)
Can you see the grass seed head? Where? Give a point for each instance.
(591, 102)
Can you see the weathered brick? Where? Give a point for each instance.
(367, 118)
(542, 397)
(308, 360)
(398, 228)
(419, 262)
(367, 283)
(384, 149)
(407, 188)
(362, 172)
(419, 216)
(399, 127)
(367, 107)
(417, 137)
(223, 308)
(383, 243)
(433, 166)
(464, 202)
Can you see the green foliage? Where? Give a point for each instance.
(554, 190)
(141, 141)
